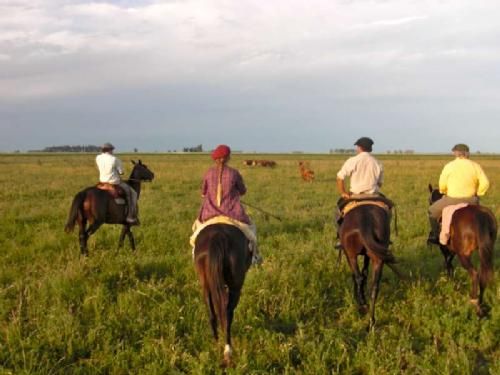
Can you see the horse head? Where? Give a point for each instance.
(435, 194)
(141, 172)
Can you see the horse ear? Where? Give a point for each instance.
(430, 188)
(140, 162)
(132, 161)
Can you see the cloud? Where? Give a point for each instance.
(137, 43)
(279, 62)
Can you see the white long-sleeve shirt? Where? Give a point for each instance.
(365, 172)
(110, 168)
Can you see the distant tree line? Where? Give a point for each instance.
(401, 152)
(198, 148)
(68, 148)
(342, 151)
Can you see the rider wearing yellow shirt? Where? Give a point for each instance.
(462, 181)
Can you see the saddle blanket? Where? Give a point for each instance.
(114, 190)
(351, 205)
(446, 216)
(248, 230)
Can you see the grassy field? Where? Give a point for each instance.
(123, 312)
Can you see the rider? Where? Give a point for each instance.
(110, 169)
(221, 191)
(461, 181)
(366, 176)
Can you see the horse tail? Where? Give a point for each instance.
(487, 231)
(375, 247)
(216, 252)
(76, 206)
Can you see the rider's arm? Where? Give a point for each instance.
(344, 172)
(341, 188)
(380, 176)
(119, 166)
(483, 182)
(443, 180)
(240, 185)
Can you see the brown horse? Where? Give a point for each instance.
(472, 227)
(365, 230)
(222, 258)
(96, 207)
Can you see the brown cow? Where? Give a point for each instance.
(305, 171)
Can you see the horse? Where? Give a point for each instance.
(96, 207)
(365, 231)
(222, 259)
(472, 227)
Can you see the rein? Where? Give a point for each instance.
(261, 210)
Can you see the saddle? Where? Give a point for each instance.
(346, 205)
(116, 192)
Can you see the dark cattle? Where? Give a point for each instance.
(261, 163)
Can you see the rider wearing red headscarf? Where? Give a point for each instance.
(221, 191)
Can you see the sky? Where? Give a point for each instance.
(263, 76)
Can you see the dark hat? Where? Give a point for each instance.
(108, 146)
(460, 147)
(221, 151)
(365, 143)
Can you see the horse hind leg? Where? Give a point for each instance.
(212, 315)
(233, 299)
(357, 279)
(378, 265)
(475, 296)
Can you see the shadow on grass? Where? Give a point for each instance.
(278, 324)
(152, 270)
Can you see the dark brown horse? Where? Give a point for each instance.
(95, 207)
(222, 258)
(472, 227)
(365, 231)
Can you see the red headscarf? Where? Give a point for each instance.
(221, 151)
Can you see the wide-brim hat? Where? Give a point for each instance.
(364, 142)
(108, 146)
(462, 147)
(221, 151)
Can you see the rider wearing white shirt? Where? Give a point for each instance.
(110, 169)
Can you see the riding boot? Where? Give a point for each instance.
(256, 257)
(338, 221)
(434, 233)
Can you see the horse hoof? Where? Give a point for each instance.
(363, 309)
(228, 353)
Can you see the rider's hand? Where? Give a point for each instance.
(346, 195)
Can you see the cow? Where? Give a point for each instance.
(305, 171)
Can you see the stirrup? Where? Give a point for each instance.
(257, 259)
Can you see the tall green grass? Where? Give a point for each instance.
(121, 312)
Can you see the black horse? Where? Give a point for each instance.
(222, 258)
(472, 227)
(95, 207)
(365, 231)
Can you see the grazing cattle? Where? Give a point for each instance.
(261, 163)
(306, 172)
